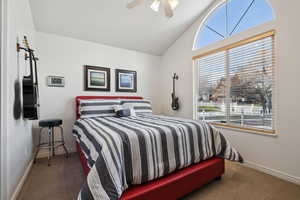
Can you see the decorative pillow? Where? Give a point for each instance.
(98, 107)
(139, 105)
(124, 111)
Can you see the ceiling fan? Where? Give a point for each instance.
(169, 5)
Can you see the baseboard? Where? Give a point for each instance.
(21, 182)
(273, 172)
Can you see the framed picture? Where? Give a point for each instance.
(126, 80)
(55, 81)
(97, 78)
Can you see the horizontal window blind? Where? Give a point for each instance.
(236, 84)
(212, 87)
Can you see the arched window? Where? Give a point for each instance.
(232, 17)
(236, 82)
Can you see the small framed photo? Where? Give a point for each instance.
(97, 78)
(55, 81)
(126, 80)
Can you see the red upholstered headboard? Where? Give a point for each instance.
(99, 97)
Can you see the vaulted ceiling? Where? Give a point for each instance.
(110, 22)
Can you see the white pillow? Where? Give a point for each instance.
(139, 105)
(97, 107)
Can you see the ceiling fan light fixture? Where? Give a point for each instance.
(168, 5)
(155, 5)
(173, 3)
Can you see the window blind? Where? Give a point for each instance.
(212, 87)
(236, 84)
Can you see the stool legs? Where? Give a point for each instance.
(50, 147)
(51, 144)
(63, 141)
(38, 146)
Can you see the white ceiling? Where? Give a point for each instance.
(110, 22)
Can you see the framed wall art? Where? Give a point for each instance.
(55, 81)
(96, 78)
(126, 80)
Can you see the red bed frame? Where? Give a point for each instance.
(172, 186)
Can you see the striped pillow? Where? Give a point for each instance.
(98, 107)
(139, 105)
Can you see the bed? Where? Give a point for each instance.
(172, 184)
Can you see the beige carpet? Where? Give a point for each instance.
(63, 179)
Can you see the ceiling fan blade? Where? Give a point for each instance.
(134, 3)
(168, 8)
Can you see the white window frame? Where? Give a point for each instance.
(225, 44)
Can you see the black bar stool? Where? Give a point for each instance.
(51, 145)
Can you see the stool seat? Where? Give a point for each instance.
(52, 143)
(50, 122)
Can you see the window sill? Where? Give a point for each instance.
(246, 129)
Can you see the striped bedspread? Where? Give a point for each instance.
(133, 150)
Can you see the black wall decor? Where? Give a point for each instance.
(175, 99)
(126, 80)
(30, 84)
(96, 78)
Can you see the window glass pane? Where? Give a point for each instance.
(259, 8)
(217, 20)
(208, 37)
(219, 29)
(236, 8)
(251, 76)
(212, 88)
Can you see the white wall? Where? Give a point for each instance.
(278, 155)
(18, 132)
(63, 56)
(66, 57)
(3, 60)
